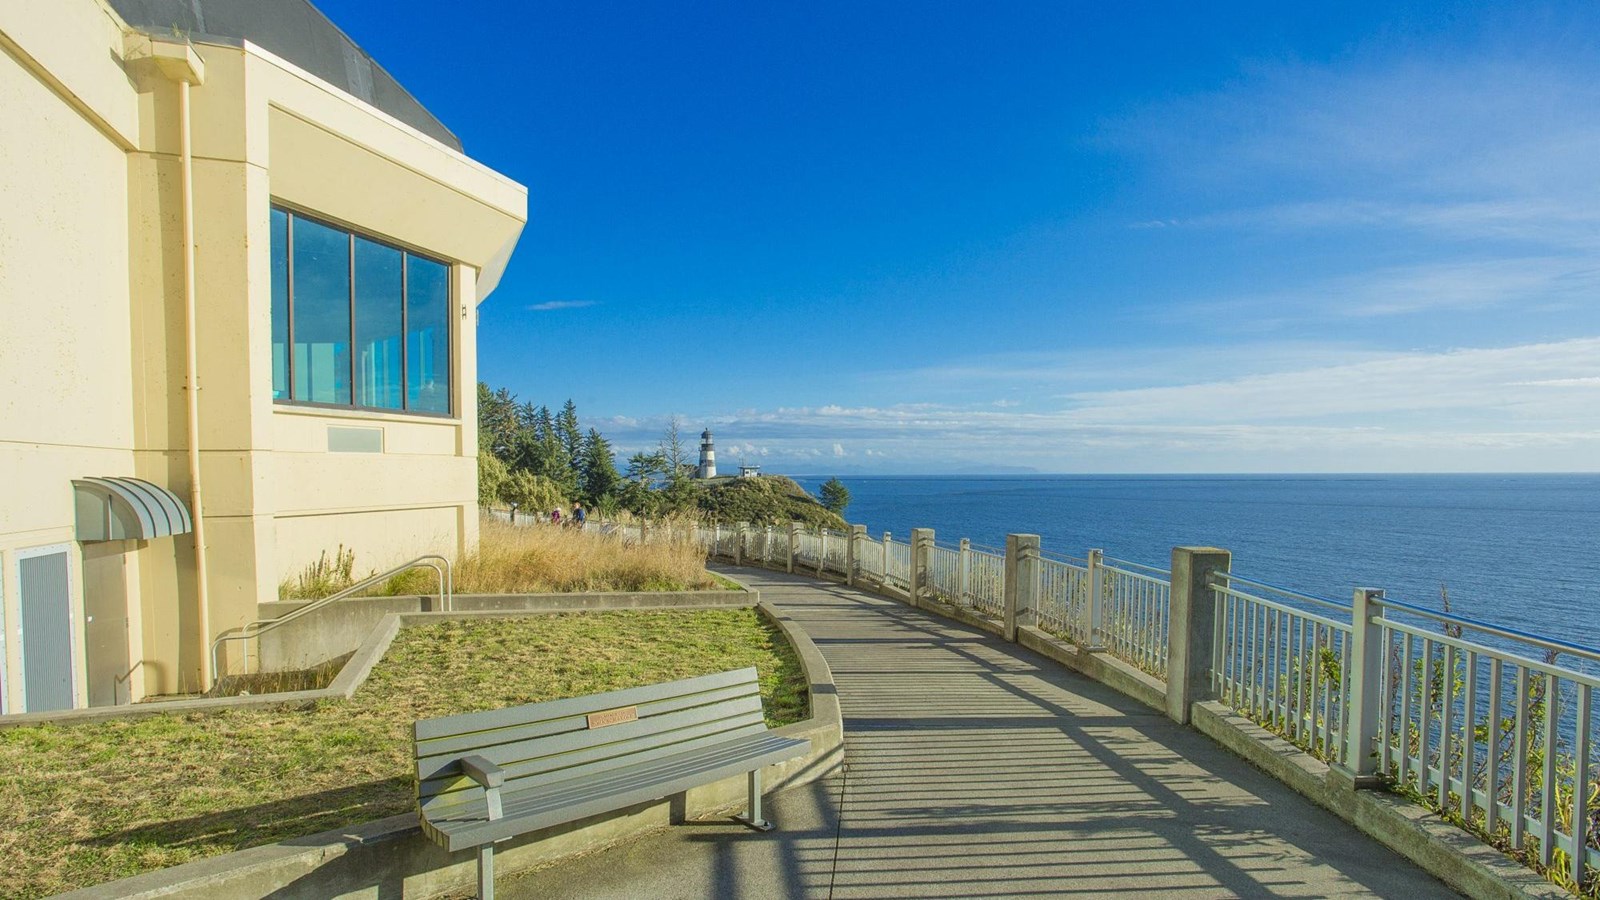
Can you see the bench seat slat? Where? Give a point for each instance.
(466, 825)
(543, 726)
(448, 726)
(451, 785)
(509, 755)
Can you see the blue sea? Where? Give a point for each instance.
(1516, 550)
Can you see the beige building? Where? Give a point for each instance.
(228, 190)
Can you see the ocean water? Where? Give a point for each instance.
(1516, 550)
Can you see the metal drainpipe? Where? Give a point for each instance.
(192, 366)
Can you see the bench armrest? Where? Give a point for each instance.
(490, 776)
(483, 771)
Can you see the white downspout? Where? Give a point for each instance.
(192, 380)
(178, 61)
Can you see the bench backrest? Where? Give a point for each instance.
(562, 739)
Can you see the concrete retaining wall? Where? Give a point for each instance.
(340, 627)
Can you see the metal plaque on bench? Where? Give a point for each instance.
(613, 716)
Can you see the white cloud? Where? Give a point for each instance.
(838, 450)
(553, 305)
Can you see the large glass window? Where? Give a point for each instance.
(356, 322)
(427, 335)
(379, 324)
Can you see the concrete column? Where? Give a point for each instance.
(921, 540)
(852, 553)
(887, 538)
(738, 544)
(1022, 583)
(822, 551)
(1191, 639)
(794, 546)
(1094, 624)
(1360, 767)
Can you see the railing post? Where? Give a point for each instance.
(738, 544)
(794, 546)
(1191, 637)
(921, 540)
(1022, 583)
(644, 531)
(1359, 768)
(822, 550)
(852, 553)
(964, 588)
(1094, 612)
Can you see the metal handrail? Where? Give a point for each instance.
(261, 626)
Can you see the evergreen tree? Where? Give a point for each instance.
(835, 496)
(598, 469)
(497, 422)
(570, 436)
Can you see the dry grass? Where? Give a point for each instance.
(517, 560)
(84, 804)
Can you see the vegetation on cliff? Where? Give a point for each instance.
(767, 499)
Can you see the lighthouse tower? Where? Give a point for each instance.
(708, 456)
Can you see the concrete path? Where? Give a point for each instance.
(978, 769)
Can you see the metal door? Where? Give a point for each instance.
(46, 603)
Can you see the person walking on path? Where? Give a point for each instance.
(555, 516)
(578, 517)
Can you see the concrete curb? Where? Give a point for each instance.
(1102, 667)
(1440, 848)
(392, 858)
(393, 613)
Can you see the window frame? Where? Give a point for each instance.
(292, 213)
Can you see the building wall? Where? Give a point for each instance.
(92, 326)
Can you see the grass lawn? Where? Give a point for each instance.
(85, 804)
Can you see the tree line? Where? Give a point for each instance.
(537, 460)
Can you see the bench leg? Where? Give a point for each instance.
(753, 817)
(486, 872)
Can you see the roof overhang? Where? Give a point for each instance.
(127, 509)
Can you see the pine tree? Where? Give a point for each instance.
(598, 469)
(569, 434)
(835, 496)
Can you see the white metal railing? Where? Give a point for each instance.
(985, 585)
(944, 575)
(1487, 731)
(1283, 664)
(1064, 597)
(896, 563)
(834, 551)
(1137, 607)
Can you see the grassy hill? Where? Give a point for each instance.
(766, 499)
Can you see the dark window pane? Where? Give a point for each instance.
(321, 313)
(280, 305)
(427, 335)
(378, 302)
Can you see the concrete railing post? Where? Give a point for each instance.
(964, 589)
(887, 538)
(794, 546)
(1360, 764)
(822, 551)
(1021, 592)
(852, 553)
(1191, 638)
(738, 544)
(1094, 613)
(921, 541)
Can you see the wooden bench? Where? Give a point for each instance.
(488, 776)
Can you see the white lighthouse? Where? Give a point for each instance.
(708, 456)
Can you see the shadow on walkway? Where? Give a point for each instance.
(978, 768)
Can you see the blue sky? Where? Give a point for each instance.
(931, 237)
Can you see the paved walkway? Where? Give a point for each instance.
(977, 768)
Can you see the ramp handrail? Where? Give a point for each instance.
(261, 626)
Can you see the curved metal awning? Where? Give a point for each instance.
(127, 509)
